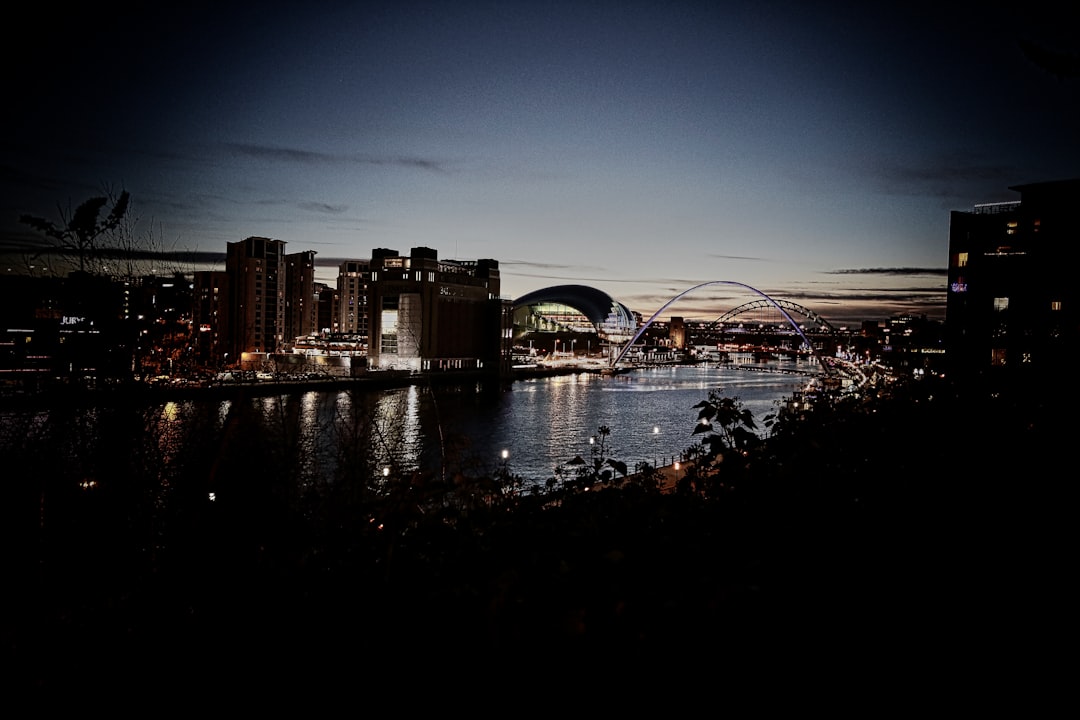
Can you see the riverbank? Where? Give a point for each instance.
(29, 392)
(52, 391)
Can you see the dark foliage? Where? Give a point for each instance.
(873, 528)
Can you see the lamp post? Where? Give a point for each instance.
(656, 434)
(572, 344)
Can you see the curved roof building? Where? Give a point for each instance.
(575, 308)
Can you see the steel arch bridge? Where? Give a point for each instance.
(765, 300)
(821, 325)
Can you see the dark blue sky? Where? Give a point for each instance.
(811, 150)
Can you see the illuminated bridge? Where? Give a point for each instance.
(769, 312)
(583, 310)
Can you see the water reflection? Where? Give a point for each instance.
(164, 462)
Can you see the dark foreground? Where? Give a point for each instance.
(922, 541)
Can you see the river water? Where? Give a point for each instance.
(650, 413)
(310, 438)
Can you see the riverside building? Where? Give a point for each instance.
(256, 305)
(1011, 309)
(352, 299)
(210, 317)
(426, 314)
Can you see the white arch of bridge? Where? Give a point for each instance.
(820, 322)
(669, 303)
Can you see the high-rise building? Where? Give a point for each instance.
(256, 270)
(326, 296)
(352, 310)
(1011, 312)
(301, 298)
(210, 320)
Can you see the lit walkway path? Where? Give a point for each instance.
(668, 475)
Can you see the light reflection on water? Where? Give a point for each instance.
(318, 438)
(546, 422)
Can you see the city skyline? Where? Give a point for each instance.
(813, 153)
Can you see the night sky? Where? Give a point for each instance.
(810, 150)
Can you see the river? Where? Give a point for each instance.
(529, 427)
(650, 413)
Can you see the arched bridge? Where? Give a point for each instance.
(765, 299)
(771, 305)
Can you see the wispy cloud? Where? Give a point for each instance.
(947, 176)
(889, 271)
(321, 207)
(539, 265)
(309, 157)
(737, 257)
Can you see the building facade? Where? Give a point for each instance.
(1011, 312)
(210, 317)
(431, 315)
(352, 298)
(256, 270)
(301, 298)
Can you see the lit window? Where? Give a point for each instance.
(960, 259)
(1001, 304)
(1055, 305)
(997, 357)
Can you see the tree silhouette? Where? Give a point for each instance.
(80, 233)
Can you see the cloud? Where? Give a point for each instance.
(737, 257)
(872, 294)
(24, 242)
(889, 271)
(308, 157)
(321, 207)
(951, 177)
(570, 278)
(279, 154)
(527, 263)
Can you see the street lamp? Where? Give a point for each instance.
(572, 344)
